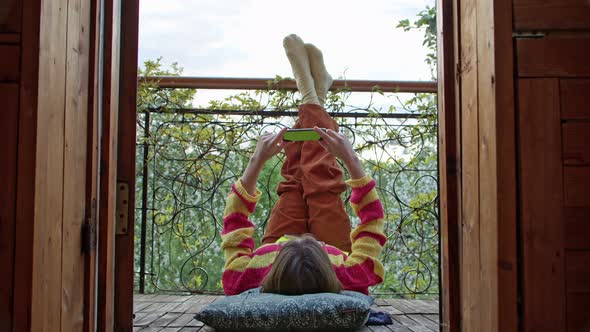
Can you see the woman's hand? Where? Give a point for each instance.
(270, 145)
(339, 146)
(267, 147)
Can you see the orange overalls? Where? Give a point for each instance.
(309, 197)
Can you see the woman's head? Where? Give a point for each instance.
(301, 267)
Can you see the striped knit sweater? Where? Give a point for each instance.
(245, 268)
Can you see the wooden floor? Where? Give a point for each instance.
(175, 313)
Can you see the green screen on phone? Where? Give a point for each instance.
(301, 135)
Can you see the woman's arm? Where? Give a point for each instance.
(362, 268)
(237, 242)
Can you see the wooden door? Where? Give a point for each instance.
(554, 178)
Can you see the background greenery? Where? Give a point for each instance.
(190, 158)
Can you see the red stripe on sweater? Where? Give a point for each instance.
(358, 277)
(379, 237)
(235, 282)
(371, 211)
(249, 205)
(360, 192)
(334, 251)
(264, 250)
(247, 243)
(235, 221)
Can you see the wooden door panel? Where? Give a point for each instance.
(577, 228)
(541, 205)
(553, 57)
(577, 271)
(577, 186)
(575, 99)
(10, 16)
(578, 319)
(9, 66)
(551, 14)
(576, 147)
(8, 168)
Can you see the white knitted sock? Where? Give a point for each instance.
(297, 55)
(321, 77)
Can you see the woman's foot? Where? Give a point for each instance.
(301, 67)
(322, 79)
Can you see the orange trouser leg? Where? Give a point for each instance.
(314, 178)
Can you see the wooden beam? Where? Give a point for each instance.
(27, 145)
(266, 83)
(93, 157)
(108, 162)
(449, 165)
(74, 164)
(49, 173)
(126, 162)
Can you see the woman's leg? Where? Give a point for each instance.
(289, 215)
(323, 183)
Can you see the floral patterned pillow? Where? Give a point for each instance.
(252, 310)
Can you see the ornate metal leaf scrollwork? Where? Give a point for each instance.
(187, 160)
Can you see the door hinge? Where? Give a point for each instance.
(528, 35)
(89, 230)
(122, 208)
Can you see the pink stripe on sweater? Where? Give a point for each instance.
(358, 277)
(371, 211)
(264, 250)
(235, 282)
(249, 205)
(379, 237)
(360, 192)
(235, 221)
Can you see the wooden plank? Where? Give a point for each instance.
(75, 158)
(108, 162)
(8, 169)
(11, 16)
(576, 150)
(575, 100)
(92, 170)
(27, 147)
(126, 158)
(577, 271)
(470, 242)
(578, 316)
(503, 264)
(577, 228)
(10, 63)
(577, 186)
(49, 179)
(449, 166)
(551, 14)
(553, 57)
(166, 319)
(487, 155)
(186, 320)
(541, 208)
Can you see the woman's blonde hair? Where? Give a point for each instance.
(301, 267)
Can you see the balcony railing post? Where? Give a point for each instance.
(144, 195)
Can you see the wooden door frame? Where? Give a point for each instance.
(498, 311)
(124, 255)
(477, 147)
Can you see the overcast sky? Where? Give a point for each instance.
(243, 38)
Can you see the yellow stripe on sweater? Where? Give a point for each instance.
(235, 204)
(370, 197)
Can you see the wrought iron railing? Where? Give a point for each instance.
(188, 157)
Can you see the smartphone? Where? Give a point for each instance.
(301, 134)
